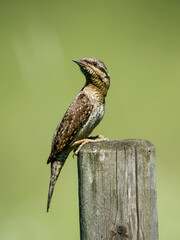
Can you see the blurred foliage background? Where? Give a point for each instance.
(139, 41)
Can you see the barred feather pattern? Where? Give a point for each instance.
(56, 167)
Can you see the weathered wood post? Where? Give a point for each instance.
(117, 191)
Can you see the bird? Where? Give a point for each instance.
(82, 116)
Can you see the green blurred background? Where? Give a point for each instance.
(139, 41)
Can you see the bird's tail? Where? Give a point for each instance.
(56, 167)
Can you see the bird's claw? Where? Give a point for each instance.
(102, 137)
(99, 138)
(75, 153)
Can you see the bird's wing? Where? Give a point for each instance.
(76, 115)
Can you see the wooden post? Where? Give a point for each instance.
(117, 191)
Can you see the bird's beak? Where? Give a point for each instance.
(79, 62)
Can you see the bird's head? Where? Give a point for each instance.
(95, 72)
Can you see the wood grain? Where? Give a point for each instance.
(117, 191)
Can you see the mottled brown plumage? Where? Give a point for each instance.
(73, 119)
(83, 115)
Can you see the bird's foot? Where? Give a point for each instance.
(82, 142)
(102, 138)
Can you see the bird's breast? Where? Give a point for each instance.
(92, 121)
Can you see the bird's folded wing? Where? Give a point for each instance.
(76, 115)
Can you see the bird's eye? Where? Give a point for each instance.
(95, 64)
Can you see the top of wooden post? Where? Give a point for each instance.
(114, 144)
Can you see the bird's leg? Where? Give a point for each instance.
(82, 142)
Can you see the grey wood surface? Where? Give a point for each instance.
(117, 191)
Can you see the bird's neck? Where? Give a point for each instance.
(99, 91)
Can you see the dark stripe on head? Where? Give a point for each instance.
(102, 69)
